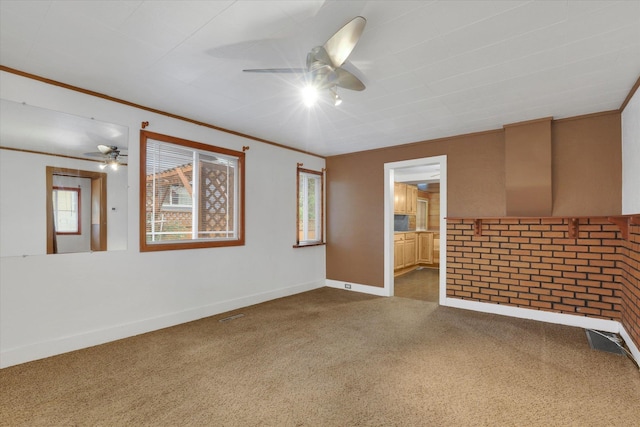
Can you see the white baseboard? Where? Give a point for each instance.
(542, 316)
(66, 344)
(356, 287)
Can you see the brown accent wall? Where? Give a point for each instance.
(586, 181)
(528, 168)
(355, 197)
(587, 165)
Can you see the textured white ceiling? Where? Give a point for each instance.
(432, 68)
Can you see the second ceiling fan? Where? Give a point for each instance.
(324, 63)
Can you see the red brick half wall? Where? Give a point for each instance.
(548, 264)
(630, 283)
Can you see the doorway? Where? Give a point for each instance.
(414, 171)
(98, 211)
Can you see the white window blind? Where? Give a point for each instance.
(191, 194)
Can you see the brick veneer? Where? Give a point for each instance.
(630, 283)
(533, 263)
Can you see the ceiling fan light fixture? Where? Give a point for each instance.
(110, 155)
(309, 95)
(324, 64)
(112, 163)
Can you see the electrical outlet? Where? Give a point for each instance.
(347, 286)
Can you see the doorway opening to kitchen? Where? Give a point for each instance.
(415, 229)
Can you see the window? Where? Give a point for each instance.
(310, 207)
(66, 210)
(194, 194)
(178, 197)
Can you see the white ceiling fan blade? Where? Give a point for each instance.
(340, 45)
(106, 149)
(347, 80)
(95, 154)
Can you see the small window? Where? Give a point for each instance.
(310, 208)
(194, 194)
(179, 198)
(66, 210)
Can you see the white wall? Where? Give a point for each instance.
(631, 156)
(50, 304)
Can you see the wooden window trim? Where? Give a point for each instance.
(307, 245)
(195, 244)
(98, 200)
(320, 241)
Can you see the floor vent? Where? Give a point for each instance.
(605, 341)
(227, 319)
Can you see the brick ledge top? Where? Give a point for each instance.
(634, 217)
(622, 221)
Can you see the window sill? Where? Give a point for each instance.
(306, 245)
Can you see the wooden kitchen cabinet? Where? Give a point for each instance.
(410, 249)
(398, 251)
(436, 248)
(404, 250)
(412, 200)
(399, 198)
(425, 248)
(405, 199)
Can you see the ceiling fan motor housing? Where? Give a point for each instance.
(321, 68)
(324, 63)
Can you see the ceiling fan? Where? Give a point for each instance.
(111, 155)
(324, 63)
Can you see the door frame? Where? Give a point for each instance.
(389, 175)
(98, 230)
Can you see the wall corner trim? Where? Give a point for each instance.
(630, 95)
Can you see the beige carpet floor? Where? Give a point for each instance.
(332, 358)
(421, 284)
